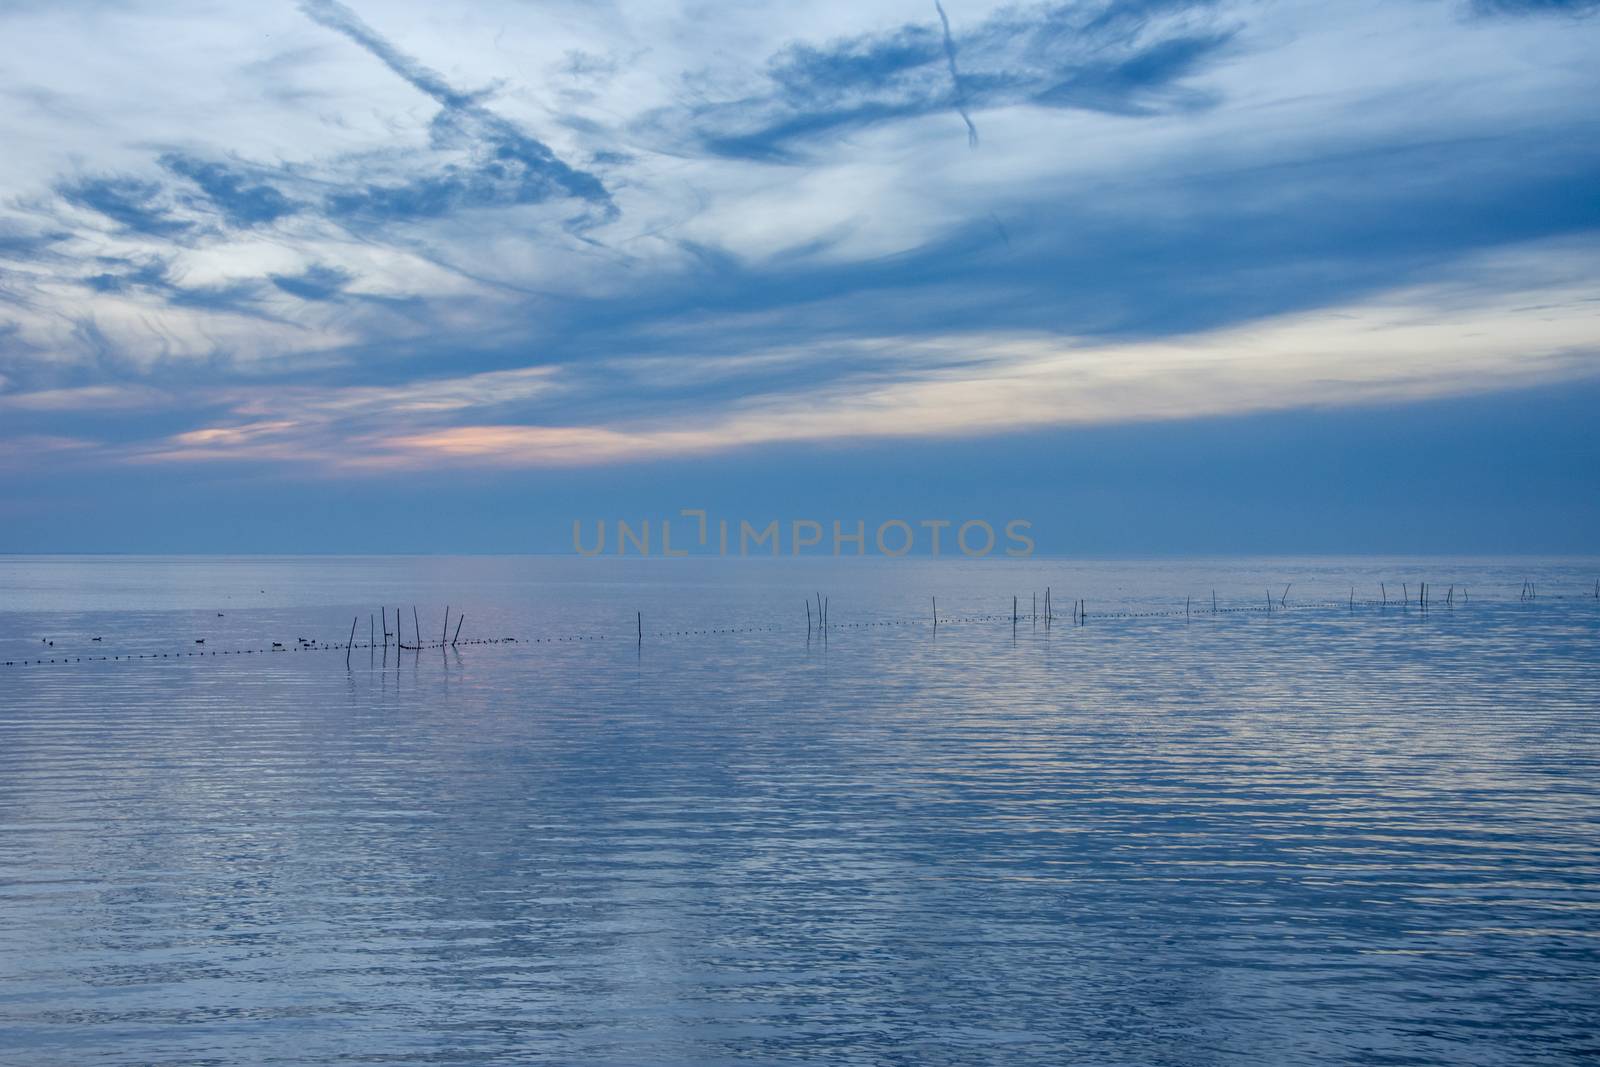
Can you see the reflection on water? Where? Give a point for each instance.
(1327, 836)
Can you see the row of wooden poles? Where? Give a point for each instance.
(399, 634)
(817, 609)
(817, 617)
(1080, 610)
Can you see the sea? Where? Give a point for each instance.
(653, 811)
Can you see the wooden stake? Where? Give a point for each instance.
(459, 620)
(416, 625)
(446, 631)
(935, 613)
(348, 645)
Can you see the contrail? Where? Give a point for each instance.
(341, 19)
(955, 75)
(502, 135)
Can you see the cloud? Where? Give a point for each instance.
(1119, 57)
(621, 272)
(242, 201)
(19, 243)
(500, 169)
(1381, 352)
(341, 19)
(1499, 326)
(148, 274)
(84, 398)
(142, 207)
(317, 282)
(1535, 7)
(502, 166)
(304, 423)
(154, 276)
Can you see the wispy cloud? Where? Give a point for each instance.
(1410, 344)
(316, 282)
(504, 165)
(1536, 7)
(623, 236)
(138, 206)
(1116, 57)
(243, 200)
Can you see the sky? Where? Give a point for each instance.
(1157, 276)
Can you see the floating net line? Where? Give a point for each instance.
(819, 626)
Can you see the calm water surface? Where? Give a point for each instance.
(1324, 836)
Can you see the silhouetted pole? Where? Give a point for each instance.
(459, 620)
(351, 642)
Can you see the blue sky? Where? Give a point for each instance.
(1161, 276)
